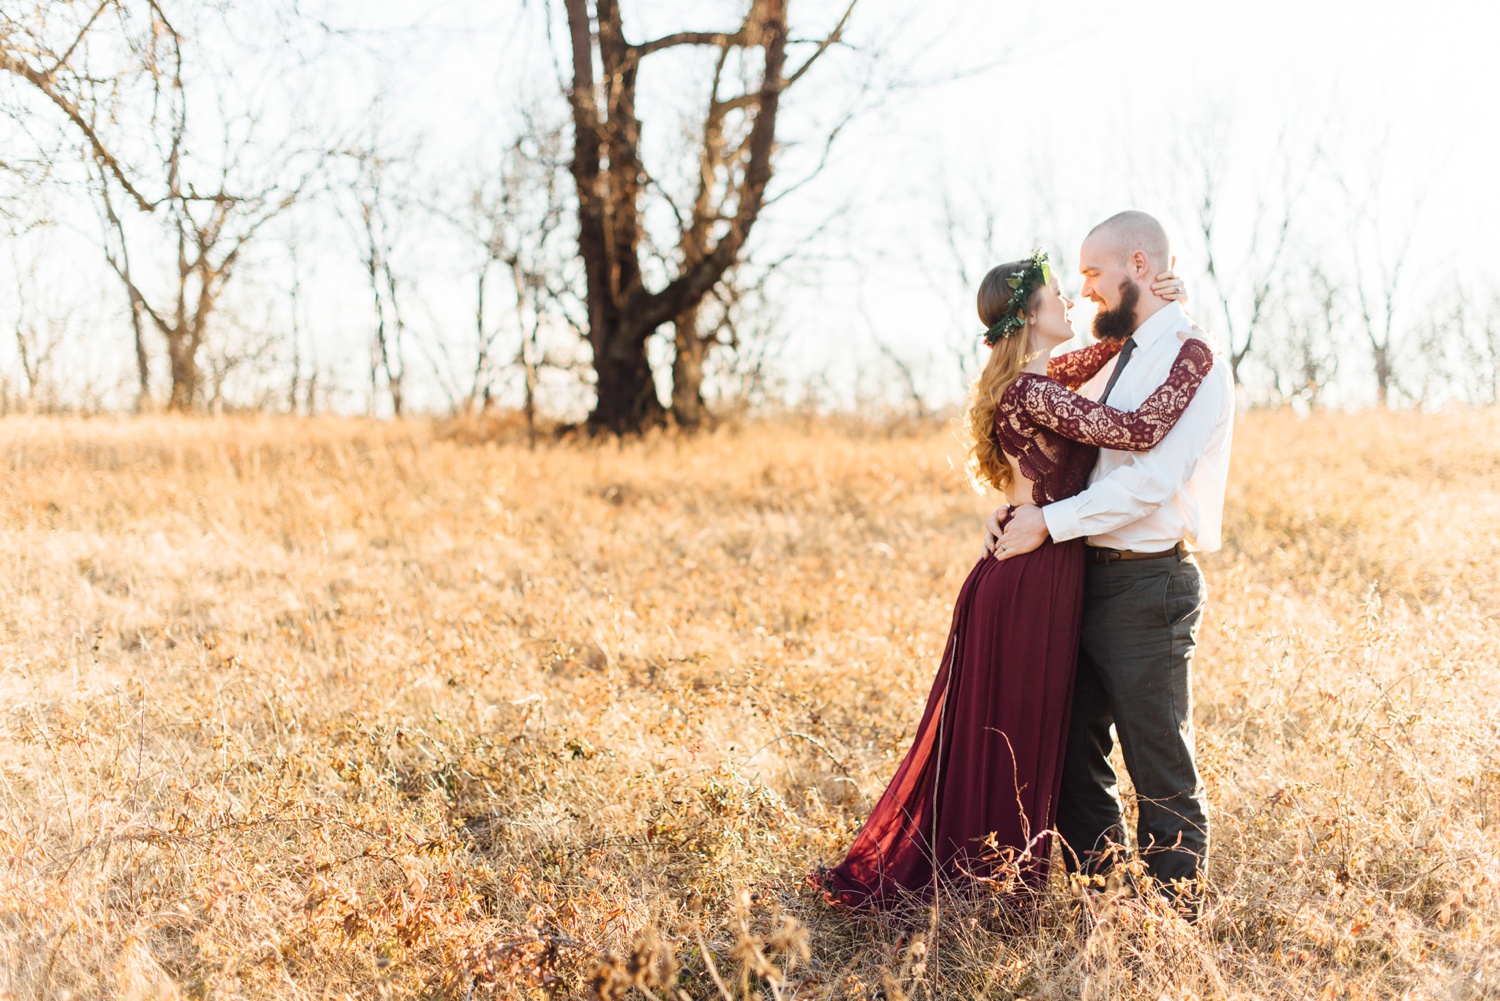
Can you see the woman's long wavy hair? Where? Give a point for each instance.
(987, 463)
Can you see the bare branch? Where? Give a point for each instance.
(719, 38)
(46, 84)
(87, 27)
(824, 44)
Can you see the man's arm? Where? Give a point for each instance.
(1133, 491)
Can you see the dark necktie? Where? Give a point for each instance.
(1120, 361)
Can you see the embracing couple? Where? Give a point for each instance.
(1078, 625)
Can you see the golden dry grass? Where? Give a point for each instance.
(333, 708)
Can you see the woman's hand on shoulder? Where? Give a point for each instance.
(1197, 333)
(1167, 285)
(1197, 350)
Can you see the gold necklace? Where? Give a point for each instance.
(1028, 359)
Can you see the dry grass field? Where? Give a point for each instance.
(327, 709)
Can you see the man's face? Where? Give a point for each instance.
(1109, 282)
(1103, 268)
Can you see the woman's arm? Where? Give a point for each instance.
(1075, 368)
(1138, 430)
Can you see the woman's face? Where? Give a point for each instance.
(1052, 314)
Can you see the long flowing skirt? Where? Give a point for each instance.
(976, 796)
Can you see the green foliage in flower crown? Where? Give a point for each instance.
(1036, 273)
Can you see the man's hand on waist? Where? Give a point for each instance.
(1026, 531)
(992, 528)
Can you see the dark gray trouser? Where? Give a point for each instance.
(1135, 660)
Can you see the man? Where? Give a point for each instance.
(1144, 515)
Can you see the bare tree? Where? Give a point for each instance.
(739, 141)
(302, 388)
(37, 340)
(114, 76)
(740, 369)
(1381, 253)
(1486, 347)
(909, 382)
(514, 216)
(1244, 271)
(1452, 349)
(1304, 355)
(374, 216)
(249, 354)
(1378, 291)
(720, 148)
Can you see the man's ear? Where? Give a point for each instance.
(1140, 263)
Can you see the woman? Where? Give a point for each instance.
(975, 797)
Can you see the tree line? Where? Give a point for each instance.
(597, 251)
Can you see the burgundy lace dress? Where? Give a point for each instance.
(975, 797)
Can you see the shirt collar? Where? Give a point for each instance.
(1158, 323)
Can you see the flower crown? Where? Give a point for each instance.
(1036, 273)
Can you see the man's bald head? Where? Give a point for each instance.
(1128, 232)
(1119, 260)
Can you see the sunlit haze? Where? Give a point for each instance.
(1364, 124)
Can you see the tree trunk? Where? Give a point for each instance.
(687, 373)
(609, 219)
(1383, 377)
(142, 360)
(479, 392)
(627, 400)
(530, 355)
(182, 354)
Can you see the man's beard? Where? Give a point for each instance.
(1118, 323)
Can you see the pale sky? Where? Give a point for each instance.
(1083, 109)
(1096, 98)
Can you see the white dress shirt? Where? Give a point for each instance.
(1150, 501)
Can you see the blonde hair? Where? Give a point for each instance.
(986, 460)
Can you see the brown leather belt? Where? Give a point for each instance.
(1102, 556)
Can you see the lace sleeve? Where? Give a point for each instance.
(1077, 367)
(1138, 430)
